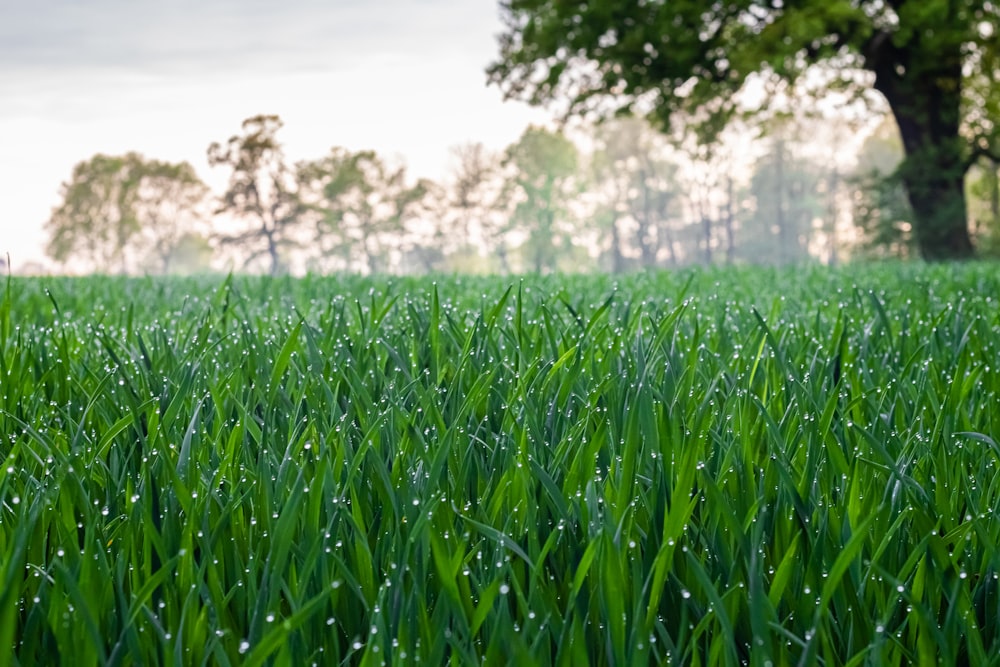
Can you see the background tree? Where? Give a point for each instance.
(542, 165)
(170, 202)
(786, 193)
(632, 165)
(363, 204)
(984, 204)
(476, 209)
(118, 209)
(881, 209)
(261, 194)
(670, 56)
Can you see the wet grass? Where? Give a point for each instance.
(708, 467)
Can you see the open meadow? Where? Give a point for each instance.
(727, 466)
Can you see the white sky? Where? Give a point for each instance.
(403, 77)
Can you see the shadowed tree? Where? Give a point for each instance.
(695, 56)
(261, 194)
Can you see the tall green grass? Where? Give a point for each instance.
(709, 467)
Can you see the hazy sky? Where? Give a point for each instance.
(404, 77)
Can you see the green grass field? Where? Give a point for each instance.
(727, 467)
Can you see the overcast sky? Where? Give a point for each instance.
(77, 78)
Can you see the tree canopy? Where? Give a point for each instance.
(935, 62)
(120, 210)
(262, 190)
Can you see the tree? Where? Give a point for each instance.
(476, 207)
(786, 194)
(363, 205)
(632, 165)
(118, 209)
(169, 205)
(669, 56)
(261, 192)
(984, 204)
(474, 169)
(542, 165)
(881, 210)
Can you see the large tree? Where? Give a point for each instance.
(119, 210)
(262, 192)
(934, 61)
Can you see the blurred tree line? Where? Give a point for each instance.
(615, 196)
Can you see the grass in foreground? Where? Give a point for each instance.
(730, 467)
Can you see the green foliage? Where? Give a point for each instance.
(710, 467)
(117, 210)
(934, 61)
(361, 202)
(542, 167)
(261, 193)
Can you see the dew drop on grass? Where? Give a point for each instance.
(244, 646)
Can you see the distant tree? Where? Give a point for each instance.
(632, 164)
(475, 167)
(362, 205)
(984, 204)
(118, 209)
(170, 205)
(881, 209)
(668, 56)
(787, 201)
(262, 193)
(190, 254)
(541, 168)
(478, 209)
(707, 191)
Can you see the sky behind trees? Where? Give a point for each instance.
(402, 77)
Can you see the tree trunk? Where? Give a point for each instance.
(272, 253)
(617, 261)
(646, 243)
(994, 194)
(779, 201)
(729, 222)
(936, 189)
(924, 91)
(833, 186)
